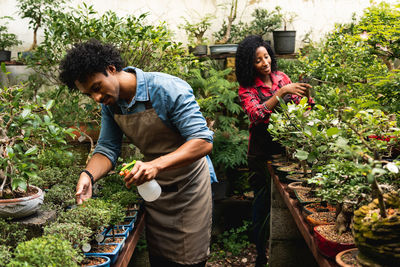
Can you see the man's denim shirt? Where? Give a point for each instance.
(173, 101)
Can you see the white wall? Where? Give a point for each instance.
(318, 16)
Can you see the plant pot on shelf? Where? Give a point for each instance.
(304, 196)
(378, 238)
(223, 49)
(295, 177)
(320, 218)
(24, 206)
(284, 171)
(96, 261)
(317, 207)
(295, 185)
(198, 50)
(110, 250)
(284, 42)
(326, 245)
(5, 55)
(348, 258)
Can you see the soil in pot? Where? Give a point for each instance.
(320, 218)
(318, 207)
(295, 185)
(348, 258)
(296, 177)
(116, 239)
(306, 196)
(92, 261)
(103, 248)
(329, 242)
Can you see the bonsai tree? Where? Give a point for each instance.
(7, 39)
(26, 129)
(35, 12)
(227, 26)
(196, 30)
(286, 17)
(48, 250)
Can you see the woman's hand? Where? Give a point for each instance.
(142, 172)
(300, 89)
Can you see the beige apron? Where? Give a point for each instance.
(178, 224)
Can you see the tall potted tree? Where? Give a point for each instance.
(7, 40)
(285, 41)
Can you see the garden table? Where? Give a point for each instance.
(125, 255)
(301, 223)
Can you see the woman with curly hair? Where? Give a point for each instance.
(260, 83)
(160, 116)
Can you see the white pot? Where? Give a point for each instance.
(21, 207)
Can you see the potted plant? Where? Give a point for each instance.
(195, 32)
(26, 129)
(35, 12)
(7, 40)
(223, 44)
(285, 41)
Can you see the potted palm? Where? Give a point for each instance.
(195, 32)
(7, 40)
(284, 41)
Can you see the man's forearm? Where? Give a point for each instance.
(99, 165)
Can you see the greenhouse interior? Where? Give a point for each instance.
(272, 139)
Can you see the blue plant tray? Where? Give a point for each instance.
(112, 255)
(125, 233)
(105, 264)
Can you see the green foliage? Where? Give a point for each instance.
(219, 104)
(75, 233)
(27, 129)
(94, 214)
(233, 241)
(59, 195)
(59, 157)
(148, 47)
(45, 251)
(7, 39)
(5, 254)
(263, 22)
(291, 67)
(11, 233)
(195, 31)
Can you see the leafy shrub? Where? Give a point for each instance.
(5, 254)
(75, 233)
(59, 195)
(11, 233)
(45, 251)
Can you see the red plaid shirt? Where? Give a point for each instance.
(251, 103)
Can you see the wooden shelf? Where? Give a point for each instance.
(304, 229)
(130, 244)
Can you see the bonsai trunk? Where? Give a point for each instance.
(344, 213)
(231, 18)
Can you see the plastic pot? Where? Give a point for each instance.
(327, 247)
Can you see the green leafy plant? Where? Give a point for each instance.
(47, 250)
(286, 17)
(7, 39)
(26, 130)
(218, 102)
(35, 12)
(196, 30)
(75, 233)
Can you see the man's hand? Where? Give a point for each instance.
(83, 189)
(142, 172)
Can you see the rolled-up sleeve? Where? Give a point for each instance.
(251, 104)
(183, 111)
(109, 143)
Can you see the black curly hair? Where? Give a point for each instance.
(88, 58)
(245, 56)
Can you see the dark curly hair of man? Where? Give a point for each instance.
(86, 59)
(245, 56)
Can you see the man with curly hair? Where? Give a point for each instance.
(160, 116)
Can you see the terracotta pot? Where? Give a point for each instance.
(327, 247)
(351, 253)
(21, 207)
